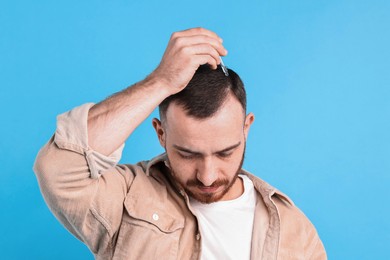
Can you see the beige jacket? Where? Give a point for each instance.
(137, 211)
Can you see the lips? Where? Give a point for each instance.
(210, 189)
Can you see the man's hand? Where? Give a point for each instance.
(186, 51)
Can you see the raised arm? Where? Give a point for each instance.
(112, 121)
(76, 168)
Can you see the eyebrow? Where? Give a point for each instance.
(199, 153)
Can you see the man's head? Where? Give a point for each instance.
(203, 130)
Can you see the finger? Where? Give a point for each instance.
(201, 39)
(204, 59)
(203, 49)
(196, 31)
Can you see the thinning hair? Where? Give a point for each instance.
(206, 92)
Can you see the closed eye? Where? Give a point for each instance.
(225, 154)
(188, 156)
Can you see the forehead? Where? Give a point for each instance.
(223, 128)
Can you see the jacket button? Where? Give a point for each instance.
(155, 216)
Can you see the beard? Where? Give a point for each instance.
(193, 186)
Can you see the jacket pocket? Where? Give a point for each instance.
(150, 228)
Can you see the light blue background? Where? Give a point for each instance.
(317, 76)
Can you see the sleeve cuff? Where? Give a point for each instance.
(72, 134)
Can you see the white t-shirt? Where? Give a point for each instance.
(226, 226)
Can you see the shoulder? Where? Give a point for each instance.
(149, 177)
(144, 168)
(298, 236)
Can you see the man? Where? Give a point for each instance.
(192, 202)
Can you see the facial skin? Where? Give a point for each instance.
(206, 155)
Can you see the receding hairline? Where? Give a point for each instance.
(229, 95)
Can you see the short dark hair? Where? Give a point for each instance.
(206, 93)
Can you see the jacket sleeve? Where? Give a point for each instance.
(85, 190)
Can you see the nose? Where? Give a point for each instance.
(207, 172)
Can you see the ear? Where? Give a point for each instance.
(247, 124)
(159, 131)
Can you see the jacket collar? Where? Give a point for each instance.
(158, 159)
(265, 189)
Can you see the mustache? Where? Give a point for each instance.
(197, 183)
